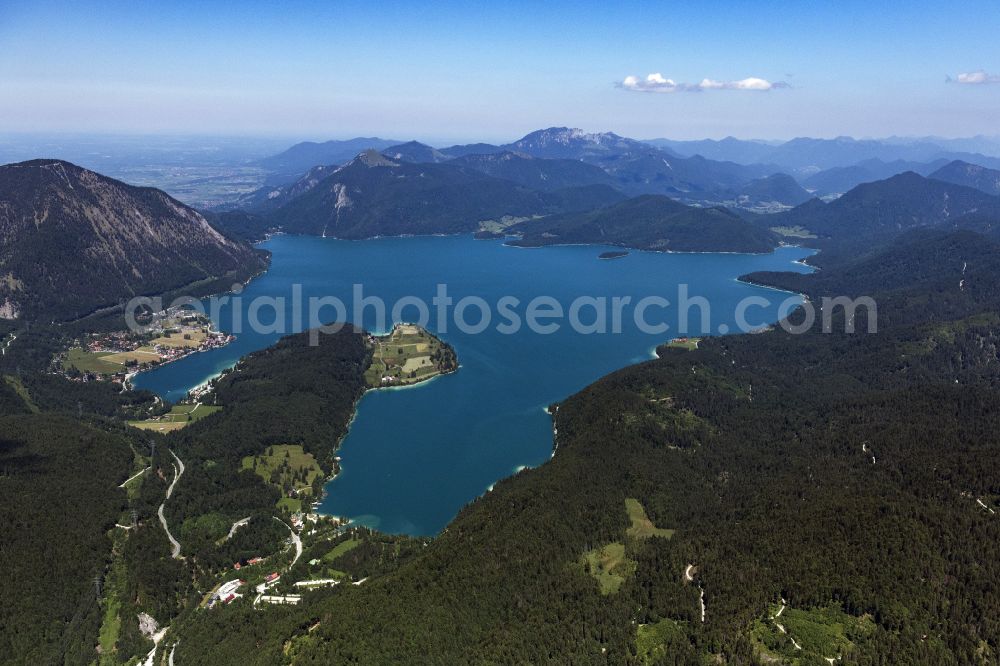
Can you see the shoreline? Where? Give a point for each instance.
(315, 504)
(315, 507)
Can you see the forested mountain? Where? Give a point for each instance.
(777, 188)
(535, 173)
(650, 222)
(631, 166)
(58, 501)
(639, 168)
(374, 195)
(970, 175)
(885, 208)
(843, 480)
(74, 241)
(414, 151)
(570, 143)
(314, 386)
(472, 149)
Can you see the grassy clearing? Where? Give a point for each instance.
(140, 355)
(342, 548)
(501, 225)
(408, 355)
(178, 417)
(945, 333)
(288, 467)
(609, 566)
(186, 338)
(15, 383)
(822, 633)
(793, 232)
(642, 527)
(93, 362)
(652, 641)
(111, 623)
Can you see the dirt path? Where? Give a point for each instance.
(137, 474)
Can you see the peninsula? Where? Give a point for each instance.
(408, 355)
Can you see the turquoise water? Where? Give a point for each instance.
(415, 456)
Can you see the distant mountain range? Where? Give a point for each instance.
(74, 241)
(732, 172)
(838, 180)
(628, 165)
(564, 186)
(292, 163)
(807, 155)
(374, 195)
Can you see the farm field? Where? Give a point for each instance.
(408, 355)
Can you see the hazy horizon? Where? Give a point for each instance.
(447, 73)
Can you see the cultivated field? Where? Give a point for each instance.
(408, 355)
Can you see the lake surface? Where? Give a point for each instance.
(415, 456)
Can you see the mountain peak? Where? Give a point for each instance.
(372, 158)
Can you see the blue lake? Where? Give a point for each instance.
(415, 456)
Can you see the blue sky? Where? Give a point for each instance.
(464, 71)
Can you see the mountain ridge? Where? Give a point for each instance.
(59, 221)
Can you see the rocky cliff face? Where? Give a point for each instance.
(72, 241)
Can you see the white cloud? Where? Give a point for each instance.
(658, 84)
(975, 78)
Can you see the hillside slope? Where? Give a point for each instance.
(650, 222)
(970, 175)
(72, 241)
(817, 473)
(377, 196)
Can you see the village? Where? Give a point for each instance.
(115, 356)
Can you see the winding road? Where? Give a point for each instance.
(296, 539)
(175, 545)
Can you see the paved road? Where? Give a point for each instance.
(295, 539)
(175, 545)
(237, 525)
